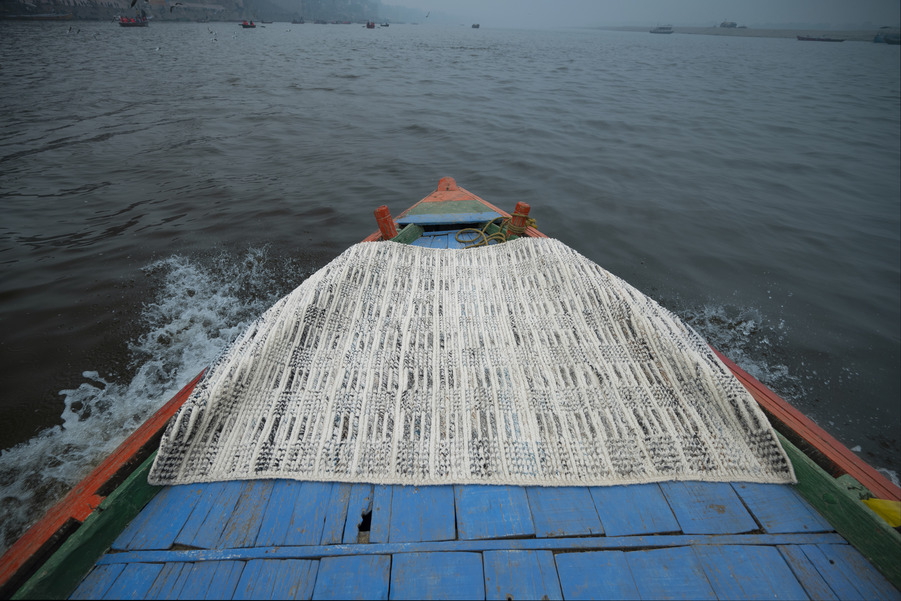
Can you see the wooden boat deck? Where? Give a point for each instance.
(302, 540)
(321, 540)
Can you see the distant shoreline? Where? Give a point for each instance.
(851, 36)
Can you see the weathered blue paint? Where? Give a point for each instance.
(449, 218)
(674, 573)
(557, 545)
(357, 577)
(422, 513)
(520, 575)
(638, 509)
(492, 512)
(565, 511)
(780, 508)
(501, 540)
(596, 575)
(763, 572)
(707, 508)
(437, 576)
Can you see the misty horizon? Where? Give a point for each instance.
(768, 14)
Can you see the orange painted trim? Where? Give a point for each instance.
(843, 458)
(87, 495)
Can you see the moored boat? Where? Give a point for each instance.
(810, 38)
(276, 538)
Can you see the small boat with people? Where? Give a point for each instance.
(137, 21)
(460, 406)
(248, 24)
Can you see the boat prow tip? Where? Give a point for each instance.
(447, 184)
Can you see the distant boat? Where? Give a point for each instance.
(370, 24)
(299, 21)
(663, 29)
(385, 24)
(475, 25)
(141, 21)
(247, 25)
(809, 38)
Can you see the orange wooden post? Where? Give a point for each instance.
(519, 219)
(386, 223)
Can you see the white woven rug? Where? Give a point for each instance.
(522, 363)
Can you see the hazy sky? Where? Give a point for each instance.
(553, 13)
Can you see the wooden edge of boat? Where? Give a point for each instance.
(43, 538)
(818, 458)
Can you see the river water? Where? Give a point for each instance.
(161, 186)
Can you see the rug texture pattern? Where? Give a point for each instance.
(523, 363)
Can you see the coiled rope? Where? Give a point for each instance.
(474, 237)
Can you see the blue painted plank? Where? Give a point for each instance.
(308, 519)
(596, 575)
(293, 579)
(586, 543)
(422, 513)
(95, 584)
(162, 519)
(780, 508)
(336, 515)
(228, 573)
(437, 576)
(355, 577)
(244, 524)
(748, 572)
(635, 509)
(848, 573)
(170, 581)
(360, 503)
(806, 573)
(563, 511)
(672, 573)
(200, 577)
(380, 527)
(707, 508)
(214, 495)
(133, 582)
(220, 513)
(249, 576)
(441, 241)
(452, 242)
(492, 512)
(277, 579)
(521, 575)
(449, 218)
(278, 513)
